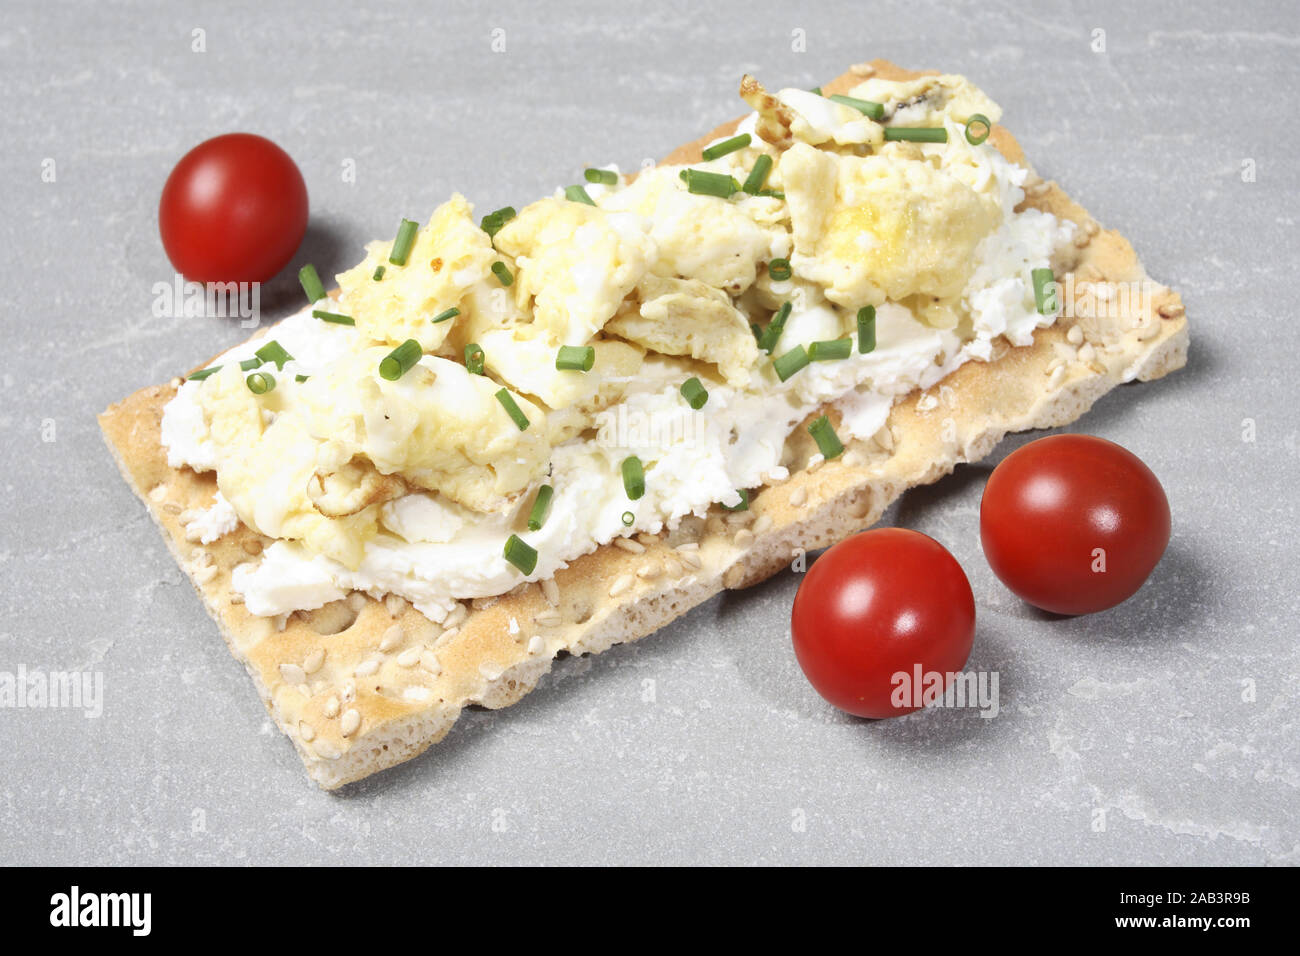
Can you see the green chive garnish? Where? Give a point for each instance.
(518, 553)
(758, 175)
(779, 269)
(1044, 291)
(247, 365)
(541, 504)
(817, 90)
(502, 272)
(444, 316)
(576, 358)
(300, 377)
(203, 373)
(827, 441)
(718, 150)
(403, 243)
(273, 351)
(867, 107)
(493, 221)
(513, 410)
(311, 283)
(744, 502)
(978, 129)
(628, 519)
(830, 350)
(474, 358)
(772, 334)
(400, 360)
(772, 193)
(333, 317)
(259, 383)
(867, 329)
(791, 362)
(578, 194)
(606, 177)
(633, 477)
(378, 273)
(695, 393)
(704, 183)
(916, 134)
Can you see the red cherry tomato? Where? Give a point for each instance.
(877, 605)
(1073, 523)
(233, 210)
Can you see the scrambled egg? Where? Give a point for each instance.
(689, 317)
(575, 264)
(449, 256)
(652, 277)
(697, 236)
(886, 226)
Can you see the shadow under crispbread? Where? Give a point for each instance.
(361, 684)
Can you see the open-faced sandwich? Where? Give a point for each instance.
(558, 428)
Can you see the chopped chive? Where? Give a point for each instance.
(789, 363)
(867, 329)
(502, 272)
(628, 519)
(704, 183)
(1044, 291)
(333, 317)
(827, 441)
(606, 177)
(829, 350)
(718, 150)
(758, 332)
(576, 358)
(474, 358)
(779, 269)
(817, 90)
(541, 505)
(633, 477)
(518, 553)
(203, 373)
(695, 393)
(301, 378)
(311, 283)
(273, 351)
(867, 107)
(772, 193)
(403, 243)
(259, 383)
(493, 221)
(512, 409)
(578, 194)
(758, 175)
(248, 364)
(772, 334)
(378, 273)
(444, 316)
(978, 128)
(916, 134)
(744, 501)
(400, 360)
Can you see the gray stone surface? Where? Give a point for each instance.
(703, 743)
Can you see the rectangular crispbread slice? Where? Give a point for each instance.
(361, 685)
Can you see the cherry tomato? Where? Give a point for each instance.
(1073, 523)
(233, 210)
(877, 605)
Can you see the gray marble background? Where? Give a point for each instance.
(1142, 718)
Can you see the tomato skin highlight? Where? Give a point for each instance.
(879, 604)
(234, 209)
(1058, 510)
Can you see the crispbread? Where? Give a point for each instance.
(362, 685)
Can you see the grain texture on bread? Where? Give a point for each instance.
(360, 684)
